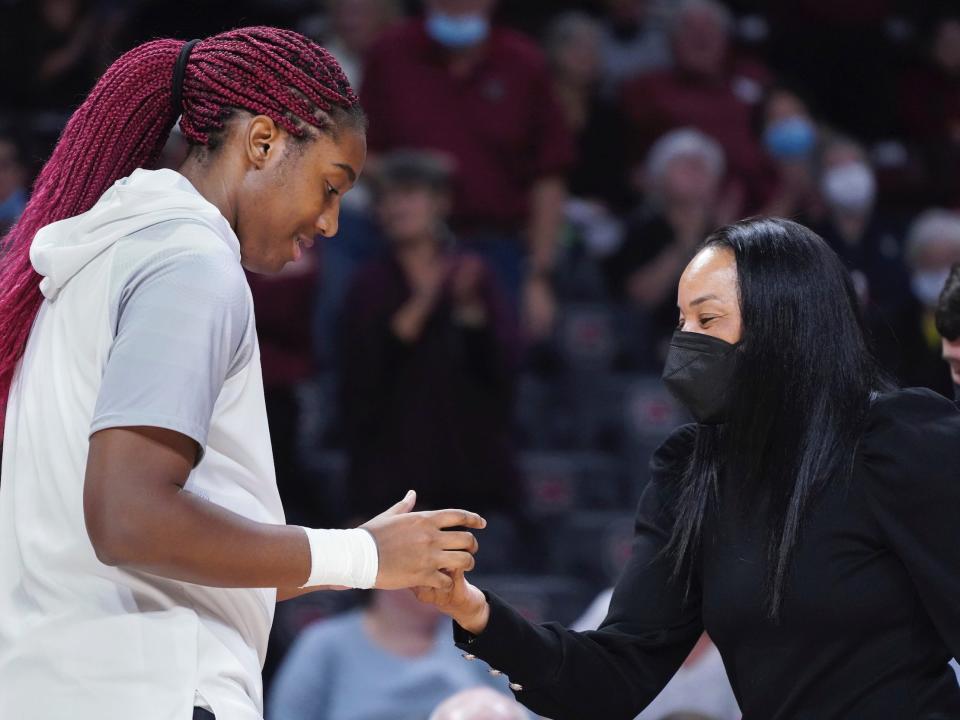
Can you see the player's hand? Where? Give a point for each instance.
(462, 601)
(415, 548)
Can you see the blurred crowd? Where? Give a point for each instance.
(489, 322)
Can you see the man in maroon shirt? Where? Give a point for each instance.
(706, 89)
(450, 82)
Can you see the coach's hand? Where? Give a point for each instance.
(415, 549)
(462, 601)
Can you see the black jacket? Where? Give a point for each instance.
(870, 617)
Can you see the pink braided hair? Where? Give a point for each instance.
(124, 123)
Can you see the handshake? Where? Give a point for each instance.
(430, 552)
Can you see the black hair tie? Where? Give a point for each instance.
(179, 69)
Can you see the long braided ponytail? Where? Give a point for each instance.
(127, 117)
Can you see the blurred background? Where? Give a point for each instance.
(489, 323)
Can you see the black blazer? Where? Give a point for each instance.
(870, 617)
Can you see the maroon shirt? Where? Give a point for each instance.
(658, 102)
(283, 305)
(500, 123)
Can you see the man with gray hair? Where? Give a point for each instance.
(705, 90)
(677, 145)
(681, 181)
(932, 248)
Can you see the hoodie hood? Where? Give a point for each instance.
(62, 249)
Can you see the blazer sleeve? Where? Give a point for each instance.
(616, 671)
(910, 465)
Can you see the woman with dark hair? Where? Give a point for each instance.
(142, 540)
(807, 521)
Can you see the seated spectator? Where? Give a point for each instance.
(455, 82)
(428, 359)
(699, 686)
(933, 246)
(393, 660)
(573, 49)
(682, 180)
(707, 90)
(479, 704)
(634, 42)
(790, 137)
(948, 325)
(868, 240)
(13, 181)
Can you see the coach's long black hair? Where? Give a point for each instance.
(799, 398)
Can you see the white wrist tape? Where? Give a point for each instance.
(342, 557)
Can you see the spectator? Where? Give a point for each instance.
(13, 181)
(392, 660)
(933, 246)
(600, 173)
(705, 89)
(454, 83)
(634, 42)
(867, 240)
(700, 685)
(428, 358)
(354, 25)
(479, 704)
(948, 325)
(790, 137)
(929, 105)
(682, 179)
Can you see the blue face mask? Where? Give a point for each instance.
(457, 31)
(790, 138)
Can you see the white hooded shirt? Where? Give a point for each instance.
(147, 320)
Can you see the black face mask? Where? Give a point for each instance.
(698, 373)
(956, 393)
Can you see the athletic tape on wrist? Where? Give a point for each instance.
(342, 557)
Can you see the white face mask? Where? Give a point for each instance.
(928, 284)
(850, 186)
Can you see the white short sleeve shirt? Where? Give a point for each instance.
(155, 327)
